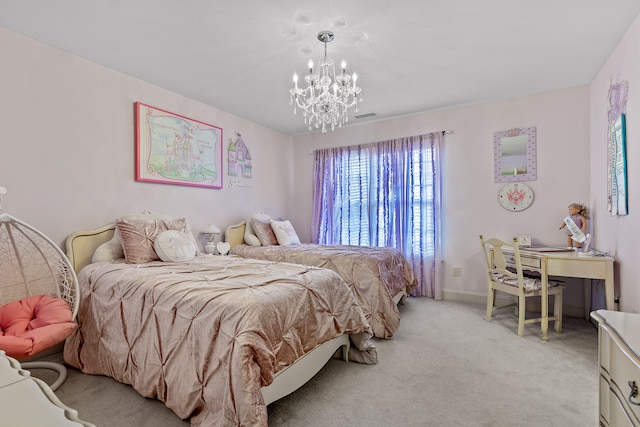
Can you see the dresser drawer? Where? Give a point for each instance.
(618, 414)
(624, 369)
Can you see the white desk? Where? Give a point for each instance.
(570, 264)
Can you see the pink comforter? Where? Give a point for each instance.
(374, 274)
(205, 336)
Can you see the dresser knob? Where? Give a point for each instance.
(633, 393)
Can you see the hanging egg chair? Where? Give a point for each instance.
(38, 294)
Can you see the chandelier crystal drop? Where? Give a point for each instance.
(328, 96)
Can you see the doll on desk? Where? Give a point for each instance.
(575, 224)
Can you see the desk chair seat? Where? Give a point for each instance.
(501, 278)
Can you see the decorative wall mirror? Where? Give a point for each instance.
(514, 155)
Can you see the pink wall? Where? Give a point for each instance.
(67, 147)
(470, 196)
(67, 158)
(618, 234)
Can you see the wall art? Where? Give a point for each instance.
(514, 155)
(617, 196)
(239, 162)
(173, 149)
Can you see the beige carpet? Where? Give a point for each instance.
(445, 366)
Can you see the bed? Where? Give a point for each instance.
(379, 278)
(216, 338)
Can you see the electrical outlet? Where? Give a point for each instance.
(456, 271)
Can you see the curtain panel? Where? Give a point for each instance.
(383, 194)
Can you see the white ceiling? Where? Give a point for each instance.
(411, 56)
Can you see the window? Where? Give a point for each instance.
(380, 194)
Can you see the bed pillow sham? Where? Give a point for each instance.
(264, 232)
(250, 237)
(285, 233)
(139, 235)
(112, 249)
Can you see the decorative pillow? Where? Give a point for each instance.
(285, 233)
(174, 246)
(250, 237)
(264, 232)
(112, 249)
(34, 324)
(138, 236)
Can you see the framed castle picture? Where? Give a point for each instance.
(173, 149)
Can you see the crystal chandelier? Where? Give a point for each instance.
(328, 95)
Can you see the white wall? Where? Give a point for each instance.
(67, 147)
(470, 201)
(619, 234)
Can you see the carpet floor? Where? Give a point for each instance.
(445, 366)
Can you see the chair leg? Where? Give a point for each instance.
(557, 312)
(491, 302)
(521, 313)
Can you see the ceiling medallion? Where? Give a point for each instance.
(328, 96)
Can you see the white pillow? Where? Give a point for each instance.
(112, 249)
(174, 246)
(285, 233)
(250, 237)
(138, 236)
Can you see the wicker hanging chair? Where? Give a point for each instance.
(35, 276)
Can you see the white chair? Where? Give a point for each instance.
(38, 281)
(504, 279)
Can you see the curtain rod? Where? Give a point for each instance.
(444, 132)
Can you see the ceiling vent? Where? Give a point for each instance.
(365, 116)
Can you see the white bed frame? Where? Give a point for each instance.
(80, 247)
(234, 235)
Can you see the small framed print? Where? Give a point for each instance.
(524, 239)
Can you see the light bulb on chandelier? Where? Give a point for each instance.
(328, 96)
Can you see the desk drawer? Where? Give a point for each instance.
(525, 261)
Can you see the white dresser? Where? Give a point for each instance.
(29, 402)
(618, 350)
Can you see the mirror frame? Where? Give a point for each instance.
(529, 162)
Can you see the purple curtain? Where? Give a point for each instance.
(383, 194)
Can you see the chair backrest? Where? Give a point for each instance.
(496, 259)
(31, 264)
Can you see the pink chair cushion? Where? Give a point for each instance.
(34, 324)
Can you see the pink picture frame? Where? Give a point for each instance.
(174, 149)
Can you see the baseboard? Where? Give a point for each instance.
(481, 299)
